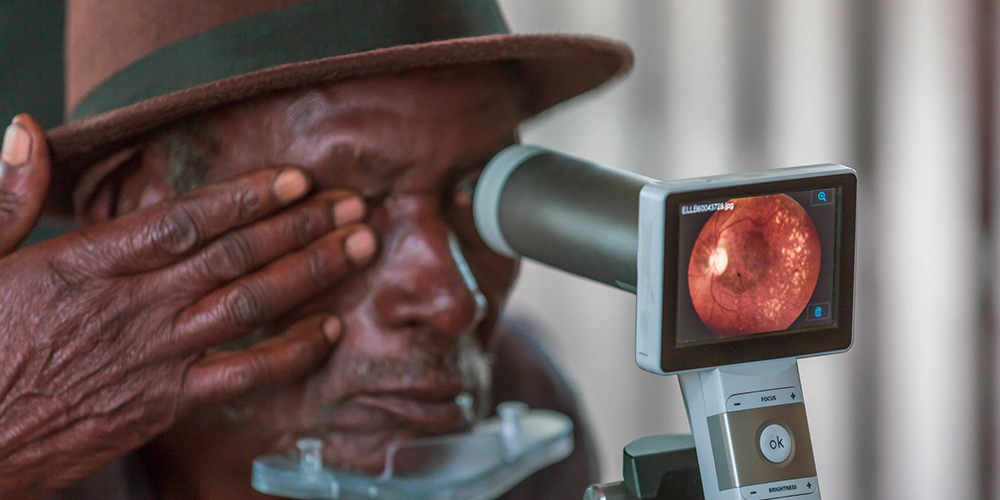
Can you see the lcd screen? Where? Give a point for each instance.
(756, 265)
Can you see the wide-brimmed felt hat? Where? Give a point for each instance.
(135, 66)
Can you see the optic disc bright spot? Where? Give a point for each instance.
(718, 261)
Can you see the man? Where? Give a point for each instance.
(277, 241)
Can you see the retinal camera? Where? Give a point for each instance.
(736, 277)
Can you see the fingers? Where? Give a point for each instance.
(167, 232)
(242, 305)
(24, 180)
(224, 375)
(249, 248)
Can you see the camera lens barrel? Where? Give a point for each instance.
(562, 211)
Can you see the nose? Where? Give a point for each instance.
(425, 280)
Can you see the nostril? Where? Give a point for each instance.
(424, 279)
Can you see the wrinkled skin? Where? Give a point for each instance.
(104, 329)
(408, 144)
(225, 322)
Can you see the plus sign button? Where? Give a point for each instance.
(775, 443)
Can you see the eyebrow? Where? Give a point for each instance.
(372, 161)
(384, 166)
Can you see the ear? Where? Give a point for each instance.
(123, 183)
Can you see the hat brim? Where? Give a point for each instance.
(554, 68)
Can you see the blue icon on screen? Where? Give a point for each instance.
(821, 197)
(820, 311)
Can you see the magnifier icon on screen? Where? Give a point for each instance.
(821, 196)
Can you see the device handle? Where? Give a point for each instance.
(563, 211)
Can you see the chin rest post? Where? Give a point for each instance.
(662, 467)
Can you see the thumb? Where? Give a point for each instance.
(24, 180)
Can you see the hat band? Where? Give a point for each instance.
(293, 34)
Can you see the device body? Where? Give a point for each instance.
(770, 253)
(750, 430)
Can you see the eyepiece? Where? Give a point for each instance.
(568, 213)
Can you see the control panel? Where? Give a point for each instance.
(751, 433)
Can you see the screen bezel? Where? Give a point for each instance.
(772, 345)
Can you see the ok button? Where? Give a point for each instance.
(775, 443)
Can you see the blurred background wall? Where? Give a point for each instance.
(902, 90)
(31, 63)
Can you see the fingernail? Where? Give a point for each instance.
(331, 329)
(290, 185)
(16, 146)
(360, 246)
(348, 211)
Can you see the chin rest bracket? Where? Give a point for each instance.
(661, 467)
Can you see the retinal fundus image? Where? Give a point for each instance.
(753, 268)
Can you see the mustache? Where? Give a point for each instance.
(463, 360)
(466, 364)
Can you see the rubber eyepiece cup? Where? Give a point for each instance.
(486, 199)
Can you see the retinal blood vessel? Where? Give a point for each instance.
(754, 268)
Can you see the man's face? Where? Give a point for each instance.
(412, 144)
